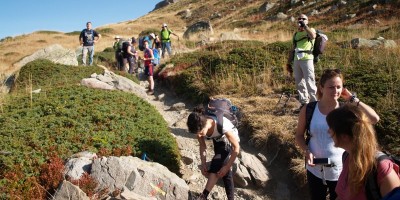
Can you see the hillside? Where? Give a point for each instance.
(254, 68)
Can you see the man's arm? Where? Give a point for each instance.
(97, 38)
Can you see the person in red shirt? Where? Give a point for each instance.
(148, 66)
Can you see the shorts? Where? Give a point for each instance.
(148, 70)
(222, 151)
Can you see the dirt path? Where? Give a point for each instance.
(163, 100)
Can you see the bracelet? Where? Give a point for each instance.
(353, 97)
(358, 103)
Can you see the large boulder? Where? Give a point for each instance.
(255, 167)
(55, 53)
(373, 43)
(67, 191)
(198, 27)
(148, 179)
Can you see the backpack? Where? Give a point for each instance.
(125, 46)
(318, 47)
(371, 186)
(141, 43)
(222, 107)
(156, 56)
(120, 44)
(310, 107)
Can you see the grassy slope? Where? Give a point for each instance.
(66, 118)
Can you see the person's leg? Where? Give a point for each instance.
(84, 54)
(229, 185)
(168, 46)
(163, 46)
(309, 78)
(91, 53)
(160, 52)
(124, 63)
(300, 83)
(131, 65)
(332, 187)
(317, 188)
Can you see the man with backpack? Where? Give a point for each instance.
(87, 39)
(218, 123)
(118, 53)
(166, 39)
(303, 66)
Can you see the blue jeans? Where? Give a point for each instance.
(166, 45)
(85, 51)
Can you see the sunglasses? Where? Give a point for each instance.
(301, 18)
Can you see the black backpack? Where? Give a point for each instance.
(125, 46)
(220, 108)
(371, 186)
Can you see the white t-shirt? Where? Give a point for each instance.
(322, 146)
(227, 126)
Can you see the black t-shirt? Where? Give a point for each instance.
(88, 37)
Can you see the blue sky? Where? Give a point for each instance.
(19, 17)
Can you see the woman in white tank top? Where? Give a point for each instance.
(323, 177)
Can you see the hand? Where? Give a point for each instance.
(309, 158)
(204, 170)
(302, 24)
(222, 172)
(346, 94)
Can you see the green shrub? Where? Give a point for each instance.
(67, 118)
(73, 33)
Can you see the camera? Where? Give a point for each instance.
(301, 23)
(322, 161)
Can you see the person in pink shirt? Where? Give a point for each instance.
(351, 129)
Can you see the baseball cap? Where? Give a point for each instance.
(164, 25)
(152, 35)
(117, 37)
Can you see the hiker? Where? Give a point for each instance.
(118, 53)
(303, 66)
(148, 66)
(129, 55)
(319, 144)
(87, 39)
(166, 39)
(157, 44)
(226, 149)
(351, 129)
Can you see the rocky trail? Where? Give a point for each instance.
(175, 112)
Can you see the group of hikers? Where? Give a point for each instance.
(127, 57)
(337, 139)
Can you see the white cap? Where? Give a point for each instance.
(152, 35)
(117, 37)
(164, 25)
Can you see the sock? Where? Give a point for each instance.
(205, 193)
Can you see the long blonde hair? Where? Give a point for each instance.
(351, 121)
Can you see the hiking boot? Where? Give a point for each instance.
(150, 92)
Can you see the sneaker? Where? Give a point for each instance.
(150, 92)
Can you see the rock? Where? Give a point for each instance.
(281, 16)
(255, 168)
(68, 191)
(375, 43)
(94, 83)
(178, 106)
(148, 179)
(266, 6)
(127, 194)
(55, 53)
(241, 176)
(201, 26)
(230, 36)
(76, 167)
(185, 14)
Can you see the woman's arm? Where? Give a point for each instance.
(372, 115)
(235, 152)
(203, 154)
(299, 136)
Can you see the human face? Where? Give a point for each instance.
(332, 88)
(89, 25)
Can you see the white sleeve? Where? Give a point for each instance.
(227, 125)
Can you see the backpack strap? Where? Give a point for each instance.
(310, 107)
(371, 186)
(303, 38)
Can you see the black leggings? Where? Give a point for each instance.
(318, 190)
